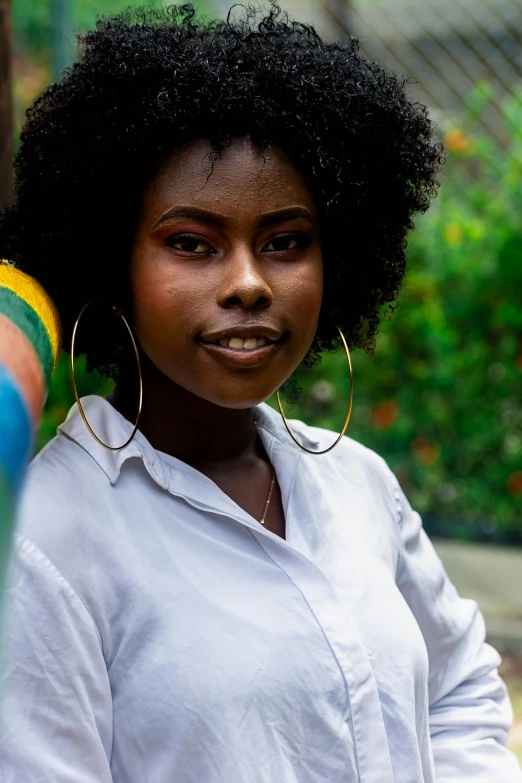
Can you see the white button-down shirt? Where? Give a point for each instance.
(154, 632)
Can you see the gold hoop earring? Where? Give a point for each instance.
(118, 314)
(347, 417)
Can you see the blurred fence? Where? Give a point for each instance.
(448, 47)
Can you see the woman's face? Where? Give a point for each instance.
(226, 272)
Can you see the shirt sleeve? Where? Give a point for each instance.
(470, 711)
(55, 698)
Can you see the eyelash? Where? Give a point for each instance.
(171, 240)
(302, 241)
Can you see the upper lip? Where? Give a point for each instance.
(268, 332)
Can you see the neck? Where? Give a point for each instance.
(185, 426)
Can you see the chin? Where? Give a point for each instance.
(236, 402)
(238, 397)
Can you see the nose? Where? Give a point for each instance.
(243, 284)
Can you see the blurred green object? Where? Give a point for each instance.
(63, 37)
(35, 21)
(61, 396)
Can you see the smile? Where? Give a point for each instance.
(242, 351)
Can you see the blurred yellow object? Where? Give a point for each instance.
(28, 289)
(453, 234)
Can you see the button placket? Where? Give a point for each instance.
(341, 634)
(343, 638)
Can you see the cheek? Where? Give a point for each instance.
(161, 311)
(305, 296)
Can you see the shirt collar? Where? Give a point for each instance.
(113, 428)
(270, 420)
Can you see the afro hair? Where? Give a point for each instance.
(151, 80)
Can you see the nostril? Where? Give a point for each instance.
(234, 300)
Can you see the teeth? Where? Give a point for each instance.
(247, 344)
(236, 342)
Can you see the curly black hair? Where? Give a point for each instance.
(150, 80)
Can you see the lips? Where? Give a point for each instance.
(246, 347)
(240, 335)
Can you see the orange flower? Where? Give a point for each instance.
(456, 140)
(425, 450)
(514, 484)
(383, 416)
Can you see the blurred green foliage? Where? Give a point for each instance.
(33, 19)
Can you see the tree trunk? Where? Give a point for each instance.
(6, 105)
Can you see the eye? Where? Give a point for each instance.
(286, 242)
(188, 244)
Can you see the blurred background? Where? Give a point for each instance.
(441, 398)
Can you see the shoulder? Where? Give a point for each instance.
(353, 463)
(349, 460)
(59, 505)
(57, 480)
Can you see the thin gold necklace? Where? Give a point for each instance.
(262, 520)
(269, 498)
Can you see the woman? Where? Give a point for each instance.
(211, 602)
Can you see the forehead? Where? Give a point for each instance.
(242, 180)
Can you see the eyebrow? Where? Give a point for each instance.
(282, 215)
(218, 220)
